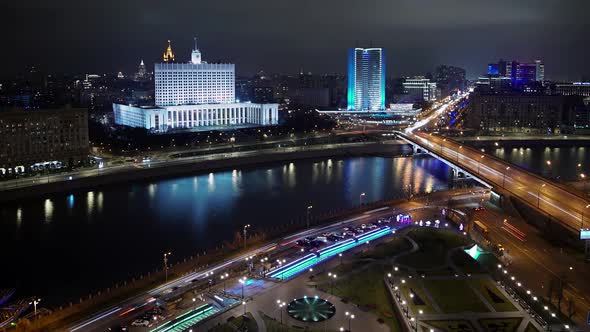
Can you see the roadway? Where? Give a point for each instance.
(562, 203)
(284, 247)
(537, 263)
(160, 163)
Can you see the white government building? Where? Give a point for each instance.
(194, 95)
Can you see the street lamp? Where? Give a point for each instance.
(243, 281)
(244, 304)
(504, 177)
(479, 164)
(246, 233)
(34, 303)
(332, 277)
(539, 195)
(361, 198)
(582, 223)
(340, 255)
(350, 318)
(309, 207)
(281, 305)
(166, 254)
(420, 312)
(548, 162)
(224, 278)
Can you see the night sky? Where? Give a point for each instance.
(283, 35)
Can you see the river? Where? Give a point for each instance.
(62, 246)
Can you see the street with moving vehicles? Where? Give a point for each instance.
(287, 257)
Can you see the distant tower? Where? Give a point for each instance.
(141, 72)
(366, 79)
(196, 54)
(168, 55)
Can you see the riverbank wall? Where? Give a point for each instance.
(199, 166)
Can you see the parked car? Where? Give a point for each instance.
(140, 322)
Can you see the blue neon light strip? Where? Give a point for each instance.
(310, 260)
(187, 319)
(291, 265)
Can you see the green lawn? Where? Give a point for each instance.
(500, 324)
(238, 322)
(419, 291)
(531, 328)
(484, 286)
(388, 249)
(466, 263)
(450, 325)
(434, 245)
(275, 326)
(454, 296)
(366, 288)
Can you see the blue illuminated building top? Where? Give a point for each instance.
(366, 79)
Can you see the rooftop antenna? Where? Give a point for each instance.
(196, 43)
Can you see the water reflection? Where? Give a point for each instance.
(19, 216)
(565, 164)
(175, 215)
(48, 210)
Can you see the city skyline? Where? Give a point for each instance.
(469, 36)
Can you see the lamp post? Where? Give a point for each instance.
(420, 312)
(246, 233)
(361, 198)
(479, 164)
(281, 305)
(243, 281)
(504, 177)
(34, 303)
(350, 318)
(224, 278)
(244, 304)
(583, 176)
(582, 222)
(539, 195)
(166, 254)
(332, 277)
(340, 255)
(460, 147)
(548, 162)
(309, 207)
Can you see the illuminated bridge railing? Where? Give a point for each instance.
(304, 263)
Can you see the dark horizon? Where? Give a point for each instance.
(76, 37)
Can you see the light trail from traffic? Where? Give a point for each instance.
(302, 264)
(562, 203)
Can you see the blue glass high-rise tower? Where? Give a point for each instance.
(366, 79)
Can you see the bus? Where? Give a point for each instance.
(483, 229)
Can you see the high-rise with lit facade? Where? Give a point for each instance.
(192, 95)
(366, 79)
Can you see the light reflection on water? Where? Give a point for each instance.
(563, 161)
(133, 223)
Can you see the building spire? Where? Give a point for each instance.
(196, 54)
(168, 55)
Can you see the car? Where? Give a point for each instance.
(119, 328)
(350, 233)
(140, 322)
(479, 208)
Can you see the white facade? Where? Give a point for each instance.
(420, 87)
(190, 83)
(193, 95)
(195, 116)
